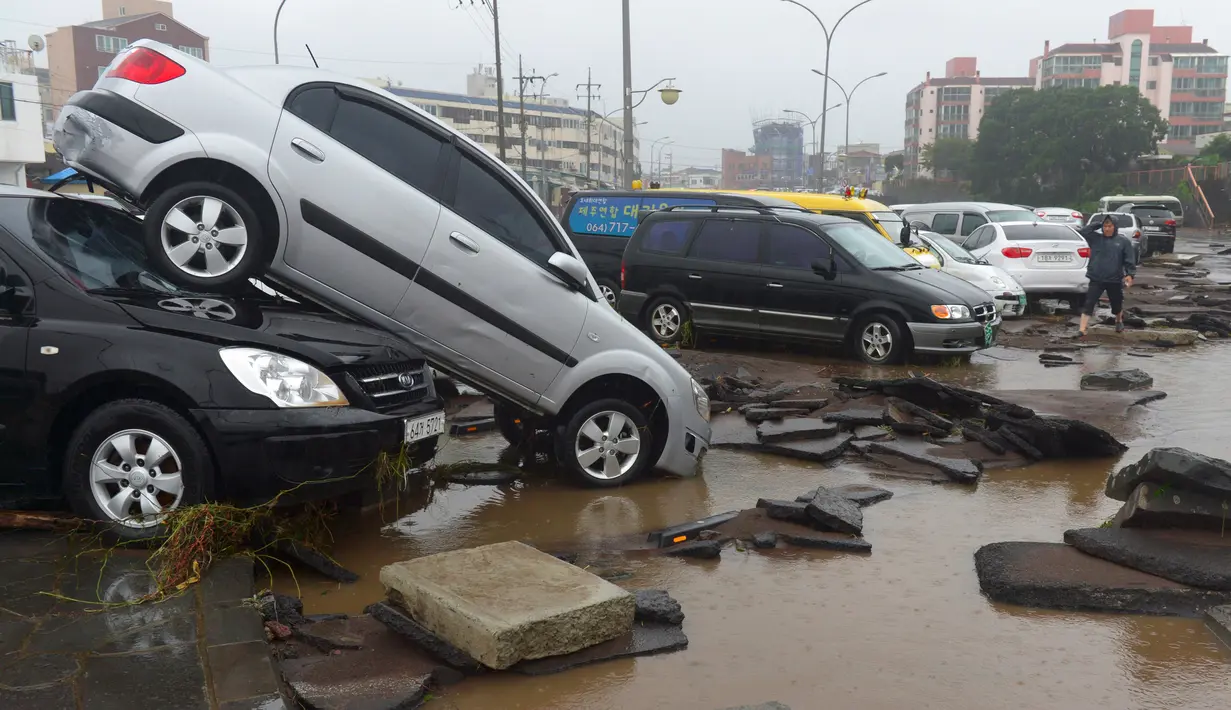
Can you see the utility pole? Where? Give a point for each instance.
(590, 95)
(494, 7)
(522, 80)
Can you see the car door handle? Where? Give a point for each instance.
(308, 150)
(463, 242)
(774, 285)
(695, 277)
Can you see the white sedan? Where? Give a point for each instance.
(1008, 295)
(1048, 260)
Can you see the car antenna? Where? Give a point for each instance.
(310, 54)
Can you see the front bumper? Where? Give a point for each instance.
(953, 338)
(630, 305)
(688, 438)
(1009, 304)
(309, 453)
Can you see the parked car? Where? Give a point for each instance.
(1009, 296)
(899, 209)
(1127, 225)
(600, 222)
(1060, 215)
(1048, 260)
(1113, 203)
(341, 191)
(1158, 227)
(961, 219)
(130, 397)
(796, 275)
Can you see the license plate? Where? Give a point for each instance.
(989, 334)
(1055, 257)
(1153, 229)
(1021, 300)
(421, 428)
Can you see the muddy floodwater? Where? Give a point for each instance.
(905, 627)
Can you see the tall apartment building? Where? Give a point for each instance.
(950, 107)
(1185, 80)
(21, 117)
(77, 55)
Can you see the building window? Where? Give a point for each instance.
(109, 44)
(955, 93)
(1151, 85)
(160, 27)
(1210, 87)
(1182, 83)
(1134, 64)
(960, 112)
(1153, 61)
(123, 11)
(192, 51)
(8, 106)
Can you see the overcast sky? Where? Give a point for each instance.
(735, 60)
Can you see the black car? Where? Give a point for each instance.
(1158, 227)
(600, 222)
(792, 274)
(127, 397)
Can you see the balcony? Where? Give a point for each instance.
(14, 60)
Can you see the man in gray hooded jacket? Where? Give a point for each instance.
(1111, 267)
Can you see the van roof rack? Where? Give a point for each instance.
(762, 209)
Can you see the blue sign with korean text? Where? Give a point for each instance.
(617, 216)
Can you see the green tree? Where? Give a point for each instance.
(1217, 150)
(894, 161)
(1044, 146)
(952, 155)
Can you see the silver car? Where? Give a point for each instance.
(1061, 215)
(340, 191)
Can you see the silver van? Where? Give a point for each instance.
(961, 219)
(343, 192)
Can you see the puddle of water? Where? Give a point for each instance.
(904, 627)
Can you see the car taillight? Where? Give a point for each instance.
(622, 275)
(1017, 252)
(145, 66)
(1170, 223)
(1137, 234)
(1083, 252)
(1077, 215)
(1041, 213)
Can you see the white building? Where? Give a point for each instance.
(21, 115)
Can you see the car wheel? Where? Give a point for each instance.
(879, 340)
(665, 319)
(130, 462)
(605, 443)
(610, 291)
(204, 236)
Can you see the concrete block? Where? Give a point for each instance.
(509, 602)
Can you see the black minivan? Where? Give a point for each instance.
(128, 397)
(600, 222)
(793, 274)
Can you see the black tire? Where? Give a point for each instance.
(568, 437)
(610, 291)
(672, 317)
(880, 332)
(195, 464)
(243, 263)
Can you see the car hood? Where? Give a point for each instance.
(321, 337)
(957, 291)
(981, 275)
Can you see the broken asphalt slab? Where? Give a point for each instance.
(1047, 575)
(1218, 619)
(958, 470)
(1163, 506)
(1117, 380)
(861, 494)
(856, 416)
(643, 639)
(1192, 557)
(772, 432)
(818, 451)
(831, 511)
(1173, 467)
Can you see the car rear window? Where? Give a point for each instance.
(1040, 231)
(1011, 216)
(1153, 212)
(616, 216)
(667, 236)
(1123, 221)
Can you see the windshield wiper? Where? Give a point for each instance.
(890, 268)
(912, 267)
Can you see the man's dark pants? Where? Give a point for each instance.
(1115, 293)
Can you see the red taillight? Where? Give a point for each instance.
(622, 276)
(1077, 215)
(1041, 213)
(1137, 234)
(1083, 252)
(1017, 252)
(145, 66)
(1170, 223)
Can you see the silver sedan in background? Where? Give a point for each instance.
(1061, 215)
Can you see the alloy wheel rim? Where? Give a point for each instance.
(877, 341)
(204, 236)
(204, 308)
(607, 446)
(608, 293)
(665, 321)
(136, 478)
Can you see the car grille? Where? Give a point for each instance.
(984, 312)
(393, 385)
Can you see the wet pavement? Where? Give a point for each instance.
(69, 638)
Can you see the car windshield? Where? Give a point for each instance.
(1011, 216)
(96, 247)
(957, 253)
(869, 248)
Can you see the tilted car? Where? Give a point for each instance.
(339, 190)
(130, 397)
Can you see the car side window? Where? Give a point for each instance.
(13, 284)
(316, 106)
(391, 142)
(494, 206)
(972, 241)
(945, 223)
(727, 240)
(987, 235)
(792, 247)
(667, 236)
(972, 221)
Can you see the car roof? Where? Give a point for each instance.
(825, 201)
(17, 191)
(793, 215)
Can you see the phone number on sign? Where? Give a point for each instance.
(610, 227)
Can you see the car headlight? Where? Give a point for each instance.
(701, 399)
(951, 312)
(287, 382)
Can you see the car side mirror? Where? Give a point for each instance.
(825, 267)
(569, 269)
(904, 235)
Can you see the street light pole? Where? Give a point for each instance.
(848, 96)
(277, 16)
(628, 99)
(653, 147)
(813, 121)
(828, 44)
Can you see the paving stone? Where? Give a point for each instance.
(509, 602)
(795, 430)
(21, 584)
(51, 697)
(13, 633)
(658, 606)
(233, 624)
(263, 702)
(827, 541)
(1219, 620)
(119, 629)
(109, 682)
(242, 670)
(228, 581)
(1195, 558)
(332, 635)
(40, 669)
(830, 511)
(642, 640)
(790, 511)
